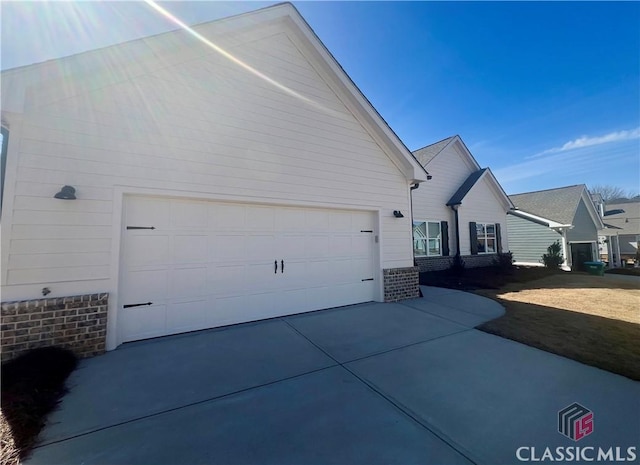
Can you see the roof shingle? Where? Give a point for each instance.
(553, 204)
(428, 153)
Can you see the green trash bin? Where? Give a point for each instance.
(595, 268)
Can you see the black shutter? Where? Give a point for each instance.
(444, 237)
(498, 239)
(473, 235)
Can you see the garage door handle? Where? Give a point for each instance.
(276, 265)
(281, 266)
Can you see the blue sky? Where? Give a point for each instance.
(547, 94)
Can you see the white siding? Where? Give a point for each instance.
(206, 128)
(449, 170)
(481, 205)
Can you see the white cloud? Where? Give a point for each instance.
(588, 141)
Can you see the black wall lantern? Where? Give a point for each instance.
(66, 193)
(398, 214)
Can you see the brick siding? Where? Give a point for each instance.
(78, 323)
(444, 263)
(401, 284)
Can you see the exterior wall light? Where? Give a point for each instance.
(398, 214)
(66, 193)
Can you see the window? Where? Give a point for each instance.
(486, 234)
(427, 238)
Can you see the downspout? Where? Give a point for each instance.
(457, 223)
(411, 189)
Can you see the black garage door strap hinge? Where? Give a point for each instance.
(366, 230)
(368, 279)
(141, 227)
(137, 305)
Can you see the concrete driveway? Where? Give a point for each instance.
(404, 383)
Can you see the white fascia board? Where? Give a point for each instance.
(539, 219)
(502, 194)
(593, 212)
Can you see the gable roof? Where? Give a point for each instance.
(473, 179)
(466, 186)
(51, 75)
(429, 152)
(558, 205)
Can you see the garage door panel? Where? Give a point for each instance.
(186, 282)
(143, 250)
(317, 246)
(143, 322)
(209, 264)
(145, 286)
(291, 246)
(260, 219)
(290, 220)
(187, 316)
(189, 249)
(227, 217)
(340, 221)
(340, 245)
(228, 279)
(147, 212)
(261, 276)
(261, 247)
(189, 215)
(227, 248)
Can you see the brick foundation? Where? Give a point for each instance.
(78, 323)
(401, 283)
(444, 263)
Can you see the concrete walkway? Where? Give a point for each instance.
(402, 383)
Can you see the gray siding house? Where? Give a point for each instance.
(565, 214)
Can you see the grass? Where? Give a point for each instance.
(592, 319)
(625, 271)
(32, 386)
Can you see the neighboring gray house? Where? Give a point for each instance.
(622, 220)
(565, 214)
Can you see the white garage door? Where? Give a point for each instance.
(189, 265)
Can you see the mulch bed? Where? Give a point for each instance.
(470, 279)
(32, 386)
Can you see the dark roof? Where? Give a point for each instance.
(559, 204)
(428, 153)
(466, 186)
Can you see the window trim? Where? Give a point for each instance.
(486, 237)
(427, 238)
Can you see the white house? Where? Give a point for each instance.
(171, 184)
(461, 210)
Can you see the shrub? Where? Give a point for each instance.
(458, 265)
(504, 261)
(553, 258)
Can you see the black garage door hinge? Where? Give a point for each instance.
(137, 305)
(141, 227)
(368, 279)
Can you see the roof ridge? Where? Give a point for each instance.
(550, 189)
(434, 143)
